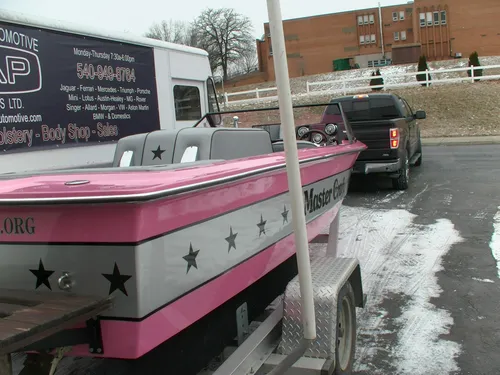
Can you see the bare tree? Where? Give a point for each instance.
(172, 31)
(225, 35)
(249, 61)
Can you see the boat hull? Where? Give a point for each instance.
(170, 262)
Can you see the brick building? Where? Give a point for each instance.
(439, 29)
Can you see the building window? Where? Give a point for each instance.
(436, 18)
(372, 19)
(402, 15)
(365, 19)
(270, 47)
(376, 63)
(429, 18)
(361, 39)
(360, 20)
(373, 39)
(187, 103)
(403, 35)
(396, 35)
(422, 19)
(443, 17)
(394, 16)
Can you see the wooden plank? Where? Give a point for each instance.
(35, 316)
(7, 309)
(12, 328)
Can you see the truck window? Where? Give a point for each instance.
(404, 108)
(408, 108)
(367, 109)
(187, 103)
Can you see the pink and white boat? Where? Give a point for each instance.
(184, 228)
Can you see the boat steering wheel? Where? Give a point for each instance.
(309, 134)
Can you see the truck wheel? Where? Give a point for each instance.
(401, 183)
(345, 347)
(419, 150)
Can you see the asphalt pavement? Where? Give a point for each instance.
(432, 281)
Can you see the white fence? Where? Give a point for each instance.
(351, 85)
(257, 92)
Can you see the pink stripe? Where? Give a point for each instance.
(135, 222)
(141, 182)
(130, 340)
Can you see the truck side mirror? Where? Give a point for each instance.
(420, 115)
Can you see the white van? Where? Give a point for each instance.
(62, 86)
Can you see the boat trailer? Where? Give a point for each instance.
(273, 345)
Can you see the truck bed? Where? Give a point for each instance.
(375, 135)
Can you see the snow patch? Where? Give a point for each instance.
(495, 240)
(480, 215)
(447, 199)
(391, 196)
(400, 259)
(483, 280)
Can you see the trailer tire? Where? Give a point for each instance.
(345, 347)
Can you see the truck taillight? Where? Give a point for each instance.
(394, 137)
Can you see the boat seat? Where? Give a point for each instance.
(159, 147)
(162, 147)
(220, 143)
(129, 150)
(280, 146)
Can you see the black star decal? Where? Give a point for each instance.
(262, 226)
(231, 240)
(191, 258)
(42, 275)
(285, 215)
(117, 281)
(157, 153)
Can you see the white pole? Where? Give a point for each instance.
(292, 167)
(381, 30)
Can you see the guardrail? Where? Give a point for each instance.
(345, 86)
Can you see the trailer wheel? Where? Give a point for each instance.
(346, 331)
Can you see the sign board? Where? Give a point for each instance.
(59, 89)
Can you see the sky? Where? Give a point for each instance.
(136, 16)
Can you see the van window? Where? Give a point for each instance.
(187, 103)
(213, 104)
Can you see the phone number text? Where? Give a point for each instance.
(105, 72)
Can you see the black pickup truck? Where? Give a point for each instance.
(387, 125)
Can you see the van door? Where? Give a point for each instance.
(189, 102)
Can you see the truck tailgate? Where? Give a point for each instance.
(375, 135)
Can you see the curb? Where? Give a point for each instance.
(451, 141)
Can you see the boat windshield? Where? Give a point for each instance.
(307, 117)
